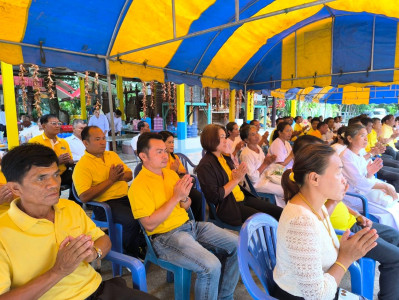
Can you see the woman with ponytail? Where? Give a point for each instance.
(310, 260)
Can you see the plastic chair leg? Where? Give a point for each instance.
(368, 274)
(182, 284)
(170, 277)
(117, 246)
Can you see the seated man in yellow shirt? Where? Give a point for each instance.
(313, 123)
(102, 176)
(159, 199)
(388, 136)
(51, 127)
(47, 243)
(322, 128)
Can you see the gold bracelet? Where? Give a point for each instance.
(341, 265)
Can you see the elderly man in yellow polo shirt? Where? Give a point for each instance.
(51, 127)
(47, 243)
(101, 176)
(159, 199)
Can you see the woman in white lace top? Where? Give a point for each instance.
(310, 260)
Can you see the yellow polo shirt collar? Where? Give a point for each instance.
(24, 221)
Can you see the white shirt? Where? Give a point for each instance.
(253, 161)
(77, 147)
(281, 150)
(133, 143)
(3, 118)
(338, 148)
(328, 137)
(117, 124)
(100, 122)
(305, 252)
(337, 126)
(231, 145)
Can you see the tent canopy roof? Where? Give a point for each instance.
(287, 43)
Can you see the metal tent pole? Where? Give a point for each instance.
(111, 108)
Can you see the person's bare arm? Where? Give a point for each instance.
(330, 205)
(71, 253)
(287, 160)
(180, 192)
(103, 243)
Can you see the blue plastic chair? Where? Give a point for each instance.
(180, 276)
(134, 265)
(367, 266)
(215, 220)
(114, 229)
(257, 251)
(365, 206)
(186, 161)
(271, 197)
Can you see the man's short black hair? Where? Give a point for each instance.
(143, 141)
(17, 162)
(314, 120)
(85, 134)
(321, 124)
(366, 120)
(253, 122)
(140, 125)
(45, 118)
(118, 112)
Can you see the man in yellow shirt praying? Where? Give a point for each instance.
(102, 176)
(159, 199)
(47, 243)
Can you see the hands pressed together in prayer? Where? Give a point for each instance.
(72, 252)
(116, 173)
(182, 189)
(239, 173)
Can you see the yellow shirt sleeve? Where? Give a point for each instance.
(82, 177)
(341, 218)
(5, 272)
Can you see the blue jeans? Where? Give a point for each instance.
(387, 254)
(189, 246)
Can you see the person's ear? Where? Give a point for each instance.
(313, 179)
(86, 143)
(143, 156)
(15, 188)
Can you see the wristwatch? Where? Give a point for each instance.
(99, 252)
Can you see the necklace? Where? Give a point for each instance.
(324, 220)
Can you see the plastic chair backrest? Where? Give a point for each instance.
(137, 169)
(249, 186)
(257, 251)
(365, 206)
(186, 162)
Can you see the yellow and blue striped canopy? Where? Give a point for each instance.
(331, 45)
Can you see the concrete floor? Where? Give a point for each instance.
(156, 277)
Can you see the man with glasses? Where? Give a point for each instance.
(51, 127)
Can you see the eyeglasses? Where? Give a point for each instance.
(222, 136)
(55, 123)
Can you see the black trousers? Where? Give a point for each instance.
(391, 175)
(196, 204)
(390, 151)
(116, 288)
(132, 236)
(252, 205)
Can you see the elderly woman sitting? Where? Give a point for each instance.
(259, 165)
(360, 175)
(220, 180)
